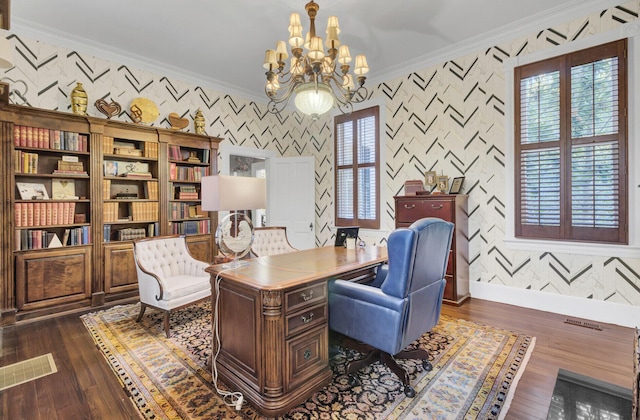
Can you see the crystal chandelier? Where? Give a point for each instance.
(318, 80)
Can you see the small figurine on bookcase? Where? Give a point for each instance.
(198, 122)
(79, 100)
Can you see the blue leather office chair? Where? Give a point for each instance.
(401, 304)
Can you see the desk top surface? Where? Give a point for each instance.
(294, 268)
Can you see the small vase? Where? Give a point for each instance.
(79, 100)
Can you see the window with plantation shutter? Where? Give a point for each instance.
(357, 169)
(571, 146)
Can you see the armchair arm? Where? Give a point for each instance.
(150, 286)
(366, 294)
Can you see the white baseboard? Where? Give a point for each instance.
(595, 310)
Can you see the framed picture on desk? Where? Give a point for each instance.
(346, 232)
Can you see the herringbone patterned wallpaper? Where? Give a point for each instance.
(449, 118)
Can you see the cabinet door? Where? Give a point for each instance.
(58, 276)
(119, 268)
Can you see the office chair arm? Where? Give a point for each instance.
(365, 294)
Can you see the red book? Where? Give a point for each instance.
(24, 211)
(23, 136)
(29, 136)
(49, 218)
(36, 214)
(29, 214)
(65, 213)
(43, 213)
(54, 214)
(17, 214)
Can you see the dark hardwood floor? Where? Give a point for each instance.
(86, 388)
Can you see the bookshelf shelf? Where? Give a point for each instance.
(75, 164)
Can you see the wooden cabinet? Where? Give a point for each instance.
(76, 191)
(452, 208)
(275, 343)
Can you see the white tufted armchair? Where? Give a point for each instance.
(270, 240)
(169, 277)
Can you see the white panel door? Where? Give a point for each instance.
(291, 198)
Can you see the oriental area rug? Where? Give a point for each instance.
(476, 369)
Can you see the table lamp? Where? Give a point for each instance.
(234, 234)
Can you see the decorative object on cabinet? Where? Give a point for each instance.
(411, 187)
(32, 191)
(451, 208)
(456, 185)
(176, 122)
(108, 109)
(63, 189)
(443, 183)
(430, 178)
(144, 110)
(79, 100)
(198, 122)
(236, 193)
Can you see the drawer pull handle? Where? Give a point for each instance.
(307, 320)
(307, 354)
(409, 207)
(433, 206)
(307, 296)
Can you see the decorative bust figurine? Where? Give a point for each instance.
(198, 122)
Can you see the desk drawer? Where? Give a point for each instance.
(306, 296)
(307, 355)
(408, 211)
(306, 319)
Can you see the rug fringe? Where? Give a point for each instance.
(514, 385)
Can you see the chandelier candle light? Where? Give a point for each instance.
(318, 80)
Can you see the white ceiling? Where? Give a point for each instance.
(221, 43)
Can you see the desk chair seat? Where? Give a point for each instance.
(169, 278)
(402, 303)
(271, 240)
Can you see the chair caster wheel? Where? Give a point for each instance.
(409, 391)
(427, 366)
(353, 381)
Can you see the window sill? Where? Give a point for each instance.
(579, 248)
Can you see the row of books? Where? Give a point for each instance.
(187, 173)
(39, 238)
(44, 138)
(135, 211)
(44, 213)
(152, 229)
(184, 192)
(191, 227)
(112, 146)
(25, 162)
(185, 211)
(200, 155)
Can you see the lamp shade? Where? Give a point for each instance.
(222, 192)
(313, 99)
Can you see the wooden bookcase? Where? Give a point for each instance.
(93, 185)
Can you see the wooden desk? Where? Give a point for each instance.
(273, 322)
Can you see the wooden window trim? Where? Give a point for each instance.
(567, 232)
(353, 118)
